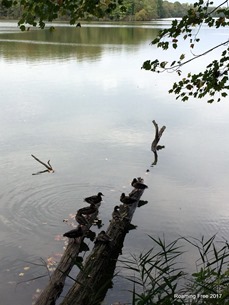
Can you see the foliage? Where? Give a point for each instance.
(156, 273)
(159, 278)
(214, 79)
(37, 12)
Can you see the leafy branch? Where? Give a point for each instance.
(214, 79)
(37, 13)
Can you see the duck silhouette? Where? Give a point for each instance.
(87, 210)
(126, 199)
(116, 213)
(75, 233)
(138, 185)
(81, 220)
(103, 237)
(94, 199)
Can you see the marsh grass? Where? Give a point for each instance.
(159, 276)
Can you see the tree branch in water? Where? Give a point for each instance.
(48, 166)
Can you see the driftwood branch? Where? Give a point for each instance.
(48, 166)
(154, 146)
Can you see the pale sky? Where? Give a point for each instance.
(183, 1)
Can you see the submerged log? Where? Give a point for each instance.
(95, 278)
(57, 280)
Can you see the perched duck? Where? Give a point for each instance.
(87, 210)
(103, 238)
(91, 235)
(126, 199)
(83, 247)
(116, 213)
(94, 199)
(81, 220)
(75, 233)
(138, 185)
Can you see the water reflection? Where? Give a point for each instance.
(71, 42)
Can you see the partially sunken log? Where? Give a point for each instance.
(95, 279)
(57, 280)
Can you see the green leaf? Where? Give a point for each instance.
(146, 65)
(22, 28)
(163, 64)
(224, 94)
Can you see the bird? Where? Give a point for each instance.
(75, 233)
(81, 220)
(138, 185)
(91, 235)
(102, 237)
(94, 199)
(116, 213)
(127, 199)
(87, 210)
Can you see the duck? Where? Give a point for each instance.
(87, 210)
(116, 213)
(103, 237)
(75, 233)
(138, 185)
(127, 199)
(94, 199)
(81, 220)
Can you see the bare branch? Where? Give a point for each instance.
(154, 145)
(216, 8)
(176, 67)
(48, 166)
(158, 134)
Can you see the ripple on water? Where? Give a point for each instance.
(28, 206)
(31, 205)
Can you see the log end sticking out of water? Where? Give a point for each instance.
(48, 166)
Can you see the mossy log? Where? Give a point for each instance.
(57, 280)
(95, 278)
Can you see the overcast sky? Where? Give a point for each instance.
(183, 1)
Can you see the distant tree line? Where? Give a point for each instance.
(130, 10)
(149, 9)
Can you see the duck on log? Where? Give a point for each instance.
(57, 280)
(95, 278)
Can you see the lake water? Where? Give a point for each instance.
(78, 97)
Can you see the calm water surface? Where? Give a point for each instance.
(79, 98)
